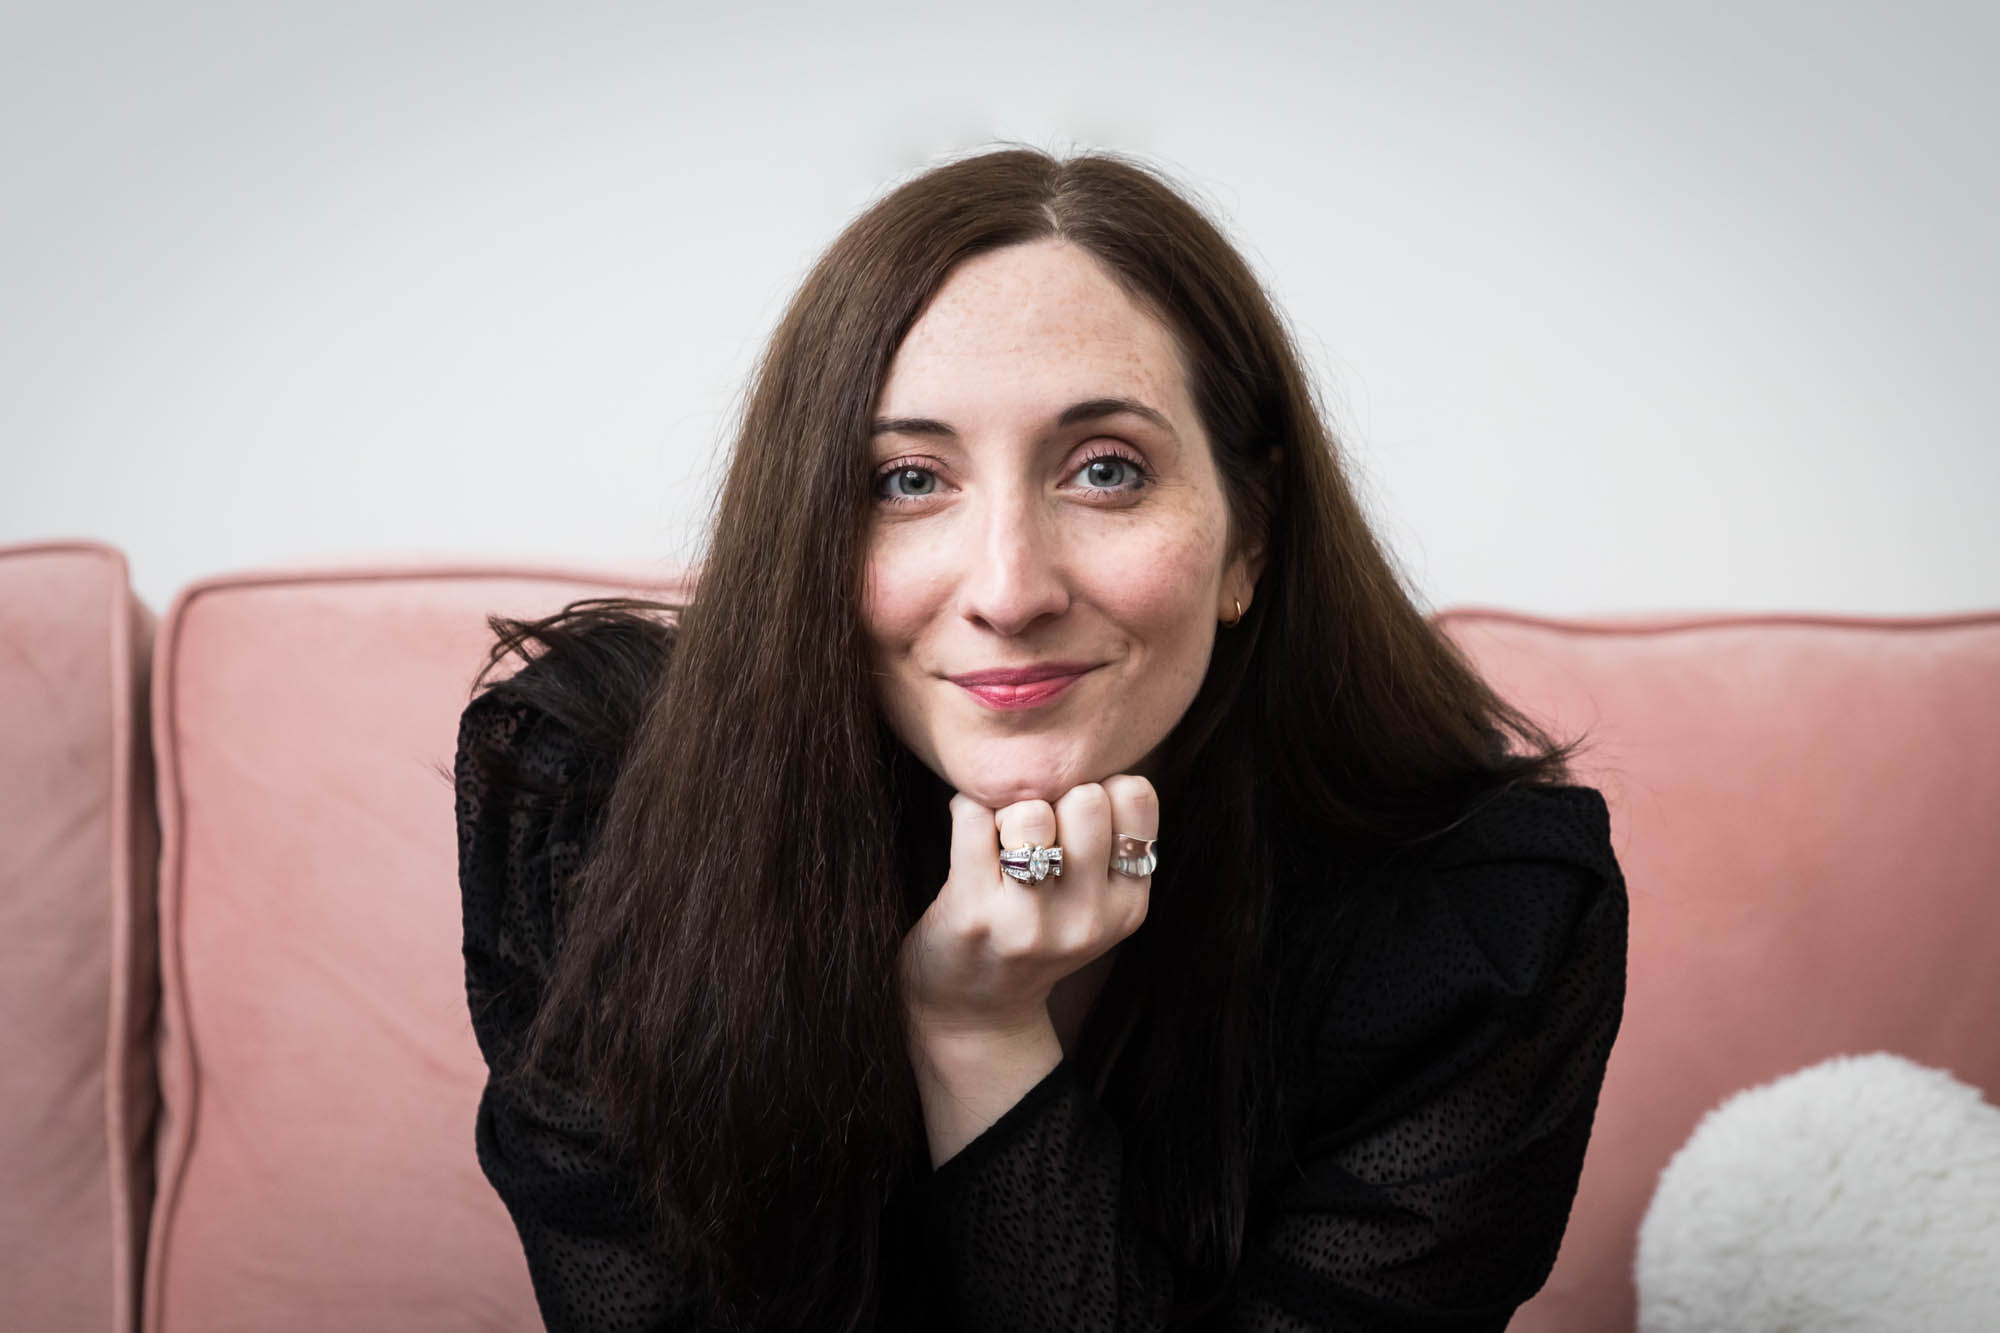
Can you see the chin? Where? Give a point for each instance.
(994, 794)
(1004, 778)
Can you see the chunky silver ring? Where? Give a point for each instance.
(1134, 856)
(1031, 864)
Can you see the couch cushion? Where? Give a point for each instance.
(319, 1074)
(76, 941)
(1804, 808)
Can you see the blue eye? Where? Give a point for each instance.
(907, 483)
(1111, 472)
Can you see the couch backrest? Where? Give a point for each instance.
(1804, 809)
(318, 1071)
(1808, 814)
(76, 938)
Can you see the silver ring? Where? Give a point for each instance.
(1031, 864)
(1134, 856)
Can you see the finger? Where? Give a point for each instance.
(1135, 806)
(1083, 822)
(1135, 812)
(1026, 824)
(975, 847)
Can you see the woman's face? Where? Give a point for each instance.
(1050, 553)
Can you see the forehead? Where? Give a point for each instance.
(1044, 319)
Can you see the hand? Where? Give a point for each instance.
(985, 955)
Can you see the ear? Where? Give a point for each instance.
(1250, 564)
(1239, 580)
(1239, 584)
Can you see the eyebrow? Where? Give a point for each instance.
(1090, 409)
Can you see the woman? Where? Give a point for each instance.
(1033, 538)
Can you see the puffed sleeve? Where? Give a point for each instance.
(521, 833)
(1457, 1070)
(1450, 1075)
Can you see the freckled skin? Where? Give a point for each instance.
(1012, 552)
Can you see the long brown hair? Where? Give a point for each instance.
(726, 987)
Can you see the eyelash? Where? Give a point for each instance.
(1142, 478)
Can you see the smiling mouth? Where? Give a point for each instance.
(1009, 691)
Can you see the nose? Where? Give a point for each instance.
(1016, 569)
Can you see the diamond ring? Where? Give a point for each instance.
(1031, 864)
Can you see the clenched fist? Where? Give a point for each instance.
(989, 949)
(980, 963)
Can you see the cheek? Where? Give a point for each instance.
(1165, 590)
(899, 594)
(892, 621)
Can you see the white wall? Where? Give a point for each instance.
(1617, 307)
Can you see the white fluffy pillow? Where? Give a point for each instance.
(1859, 1194)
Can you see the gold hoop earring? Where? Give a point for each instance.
(1232, 624)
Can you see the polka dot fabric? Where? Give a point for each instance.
(1445, 1077)
(1443, 1081)
(572, 1200)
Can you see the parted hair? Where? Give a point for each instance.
(726, 985)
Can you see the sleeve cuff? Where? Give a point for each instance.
(1014, 1124)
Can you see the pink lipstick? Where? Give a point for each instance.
(1021, 687)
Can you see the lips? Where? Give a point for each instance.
(1009, 688)
(1027, 675)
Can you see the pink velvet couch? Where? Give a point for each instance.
(240, 1076)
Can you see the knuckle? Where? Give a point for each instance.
(955, 925)
(1100, 935)
(1030, 814)
(1085, 799)
(1134, 794)
(1012, 946)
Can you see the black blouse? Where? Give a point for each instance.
(1450, 1067)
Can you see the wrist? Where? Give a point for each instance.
(969, 1076)
(957, 1049)
(981, 1030)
